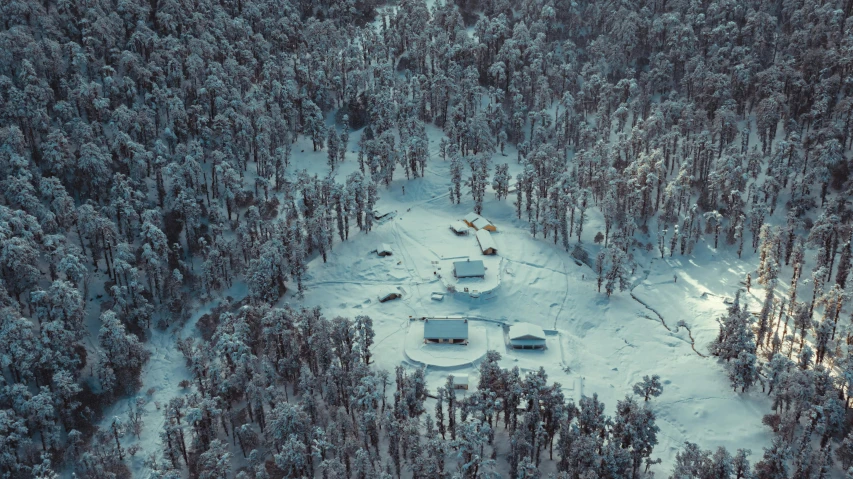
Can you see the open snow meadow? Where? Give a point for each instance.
(597, 344)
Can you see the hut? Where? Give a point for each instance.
(470, 218)
(380, 215)
(479, 223)
(526, 336)
(487, 244)
(484, 224)
(459, 228)
(390, 295)
(384, 249)
(446, 331)
(460, 381)
(469, 269)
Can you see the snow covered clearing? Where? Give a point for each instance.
(606, 345)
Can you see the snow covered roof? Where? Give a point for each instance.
(384, 249)
(469, 269)
(389, 295)
(445, 329)
(471, 217)
(459, 227)
(461, 379)
(481, 223)
(380, 214)
(486, 241)
(526, 331)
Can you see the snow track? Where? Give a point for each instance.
(161, 375)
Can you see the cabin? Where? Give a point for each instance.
(487, 243)
(459, 228)
(470, 218)
(484, 224)
(384, 249)
(446, 331)
(460, 381)
(469, 269)
(479, 223)
(526, 336)
(391, 295)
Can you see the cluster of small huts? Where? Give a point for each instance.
(483, 232)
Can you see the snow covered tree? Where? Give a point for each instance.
(501, 181)
(215, 463)
(618, 273)
(313, 125)
(649, 387)
(743, 371)
(774, 464)
(332, 147)
(478, 180)
(121, 354)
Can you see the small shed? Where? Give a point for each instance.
(526, 336)
(469, 269)
(460, 381)
(380, 215)
(487, 244)
(470, 218)
(384, 249)
(484, 224)
(459, 228)
(390, 295)
(446, 331)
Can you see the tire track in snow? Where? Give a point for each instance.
(410, 267)
(564, 273)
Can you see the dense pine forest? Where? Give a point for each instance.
(148, 162)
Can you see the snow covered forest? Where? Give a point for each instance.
(173, 173)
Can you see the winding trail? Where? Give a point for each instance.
(660, 316)
(161, 375)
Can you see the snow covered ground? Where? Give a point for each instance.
(161, 377)
(605, 345)
(600, 345)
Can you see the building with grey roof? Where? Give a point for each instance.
(526, 336)
(469, 269)
(450, 331)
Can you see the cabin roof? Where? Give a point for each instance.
(526, 331)
(469, 269)
(446, 329)
(486, 241)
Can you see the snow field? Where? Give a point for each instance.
(605, 345)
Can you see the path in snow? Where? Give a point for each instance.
(662, 321)
(161, 374)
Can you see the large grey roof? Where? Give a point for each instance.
(469, 269)
(445, 329)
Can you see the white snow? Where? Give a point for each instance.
(162, 374)
(602, 345)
